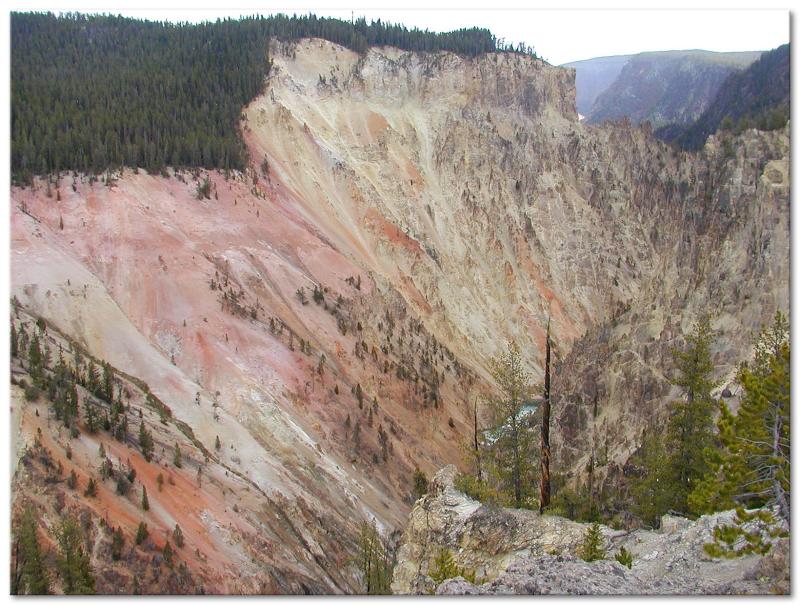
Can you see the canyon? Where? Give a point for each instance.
(330, 314)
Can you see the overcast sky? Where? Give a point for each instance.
(559, 36)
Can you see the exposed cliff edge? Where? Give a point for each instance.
(522, 552)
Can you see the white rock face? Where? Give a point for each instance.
(522, 552)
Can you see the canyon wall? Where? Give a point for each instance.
(330, 313)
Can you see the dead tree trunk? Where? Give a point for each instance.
(544, 470)
(778, 454)
(475, 443)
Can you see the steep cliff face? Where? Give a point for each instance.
(333, 310)
(726, 253)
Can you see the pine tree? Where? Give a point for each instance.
(177, 535)
(32, 577)
(117, 544)
(91, 416)
(444, 566)
(145, 442)
(91, 488)
(108, 383)
(145, 501)
(176, 457)
(217, 444)
(624, 557)
(420, 484)
(141, 533)
(512, 448)
(374, 561)
(752, 466)
(690, 429)
(593, 547)
(167, 553)
(675, 463)
(35, 360)
(652, 492)
(73, 562)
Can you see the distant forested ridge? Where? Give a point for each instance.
(757, 97)
(95, 92)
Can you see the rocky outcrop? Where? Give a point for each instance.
(522, 552)
(553, 574)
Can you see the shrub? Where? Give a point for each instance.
(204, 189)
(446, 568)
(420, 484)
(123, 485)
(751, 533)
(32, 392)
(624, 557)
(477, 490)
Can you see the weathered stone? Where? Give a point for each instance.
(521, 552)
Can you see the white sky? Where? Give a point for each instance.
(559, 36)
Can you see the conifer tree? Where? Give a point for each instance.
(108, 382)
(141, 533)
(374, 560)
(593, 546)
(145, 442)
(167, 553)
(690, 429)
(444, 566)
(91, 416)
(674, 463)
(176, 457)
(177, 535)
(73, 562)
(512, 438)
(35, 364)
(652, 492)
(624, 557)
(752, 466)
(72, 481)
(145, 501)
(91, 488)
(31, 577)
(117, 544)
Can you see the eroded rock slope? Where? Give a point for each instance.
(331, 312)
